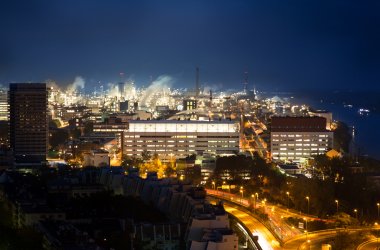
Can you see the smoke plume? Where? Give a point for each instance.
(78, 84)
(158, 88)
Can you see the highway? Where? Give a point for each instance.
(370, 245)
(292, 238)
(266, 239)
(276, 214)
(310, 241)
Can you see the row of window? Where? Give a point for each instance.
(301, 145)
(298, 135)
(298, 149)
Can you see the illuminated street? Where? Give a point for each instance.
(309, 241)
(370, 245)
(275, 213)
(266, 238)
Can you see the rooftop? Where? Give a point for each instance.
(298, 124)
(183, 121)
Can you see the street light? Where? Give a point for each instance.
(263, 201)
(254, 202)
(213, 183)
(356, 213)
(378, 211)
(305, 219)
(308, 204)
(288, 199)
(242, 194)
(337, 205)
(223, 186)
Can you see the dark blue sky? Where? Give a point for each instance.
(285, 45)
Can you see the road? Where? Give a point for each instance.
(370, 245)
(309, 241)
(306, 241)
(266, 239)
(276, 214)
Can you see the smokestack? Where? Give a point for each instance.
(197, 83)
(210, 99)
(245, 81)
(121, 84)
(121, 89)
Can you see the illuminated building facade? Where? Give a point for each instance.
(298, 138)
(181, 138)
(3, 105)
(189, 104)
(28, 123)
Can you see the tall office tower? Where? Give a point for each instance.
(28, 123)
(3, 105)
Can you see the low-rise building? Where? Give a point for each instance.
(207, 225)
(290, 169)
(96, 158)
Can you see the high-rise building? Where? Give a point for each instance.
(28, 123)
(3, 105)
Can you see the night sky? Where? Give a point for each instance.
(284, 45)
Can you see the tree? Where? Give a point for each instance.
(88, 127)
(128, 162)
(59, 136)
(146, 155)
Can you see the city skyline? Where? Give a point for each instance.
(282, 46)
(235, 124)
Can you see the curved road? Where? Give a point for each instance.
(266, 239)
(370, 245)
(310, 241)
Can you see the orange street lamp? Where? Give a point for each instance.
(288, 194)
(242, 194)
(337, 205)
(254, 202)
(356, 213)
(308, 204)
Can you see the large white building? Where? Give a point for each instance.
(298, 138)
(181, 138)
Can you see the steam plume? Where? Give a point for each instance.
(76, 85)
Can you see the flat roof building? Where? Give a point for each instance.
(181, 138)
(298, 138)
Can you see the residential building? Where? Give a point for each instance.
(28, 123)
(96, 158)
